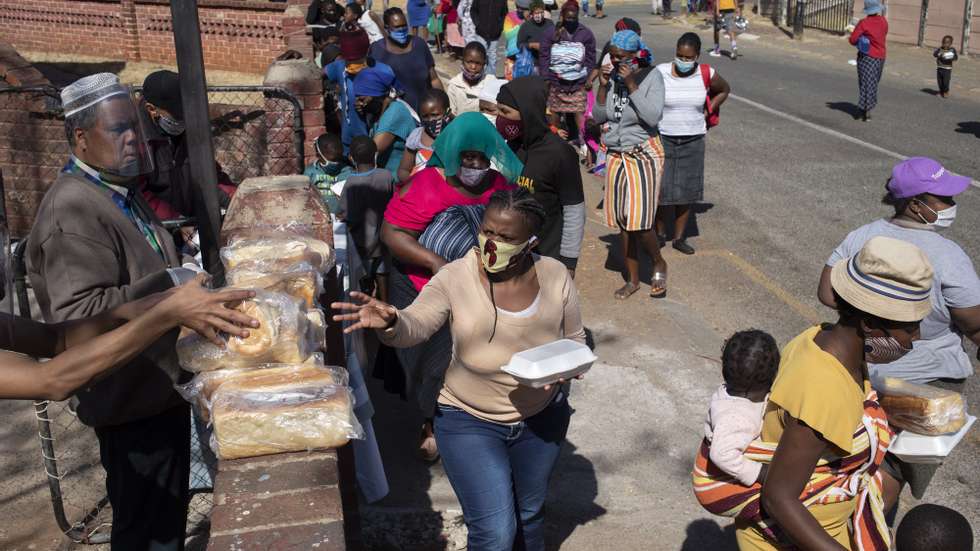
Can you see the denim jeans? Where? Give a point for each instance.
(491, 47)
(585, 6)
(500, 473)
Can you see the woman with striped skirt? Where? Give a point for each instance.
(631, 101)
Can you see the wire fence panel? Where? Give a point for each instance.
(256, 131)
(828, 15)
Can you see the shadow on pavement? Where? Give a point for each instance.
(614, 254)
(706, 534)
(969, 127)
(571, 497)
(930, 91)
(845, 107)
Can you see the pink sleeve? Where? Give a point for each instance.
(734, 430)
(415, 209)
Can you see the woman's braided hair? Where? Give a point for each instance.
(749, 360)
(520, 200)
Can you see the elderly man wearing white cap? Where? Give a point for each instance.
(96, 244)
(829, 430)
(921, 192)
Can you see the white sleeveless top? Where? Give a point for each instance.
(683, 102)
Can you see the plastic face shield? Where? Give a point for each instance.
(116, 143)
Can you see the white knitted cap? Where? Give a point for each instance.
(87, 91)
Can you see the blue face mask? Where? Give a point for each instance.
(684, 67)
(398, 34)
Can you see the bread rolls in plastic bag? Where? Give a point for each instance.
(284, 335)
(250, 421)
(272, 255)
(301, 281)
(921, 409)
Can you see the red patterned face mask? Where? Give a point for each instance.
(510, 129)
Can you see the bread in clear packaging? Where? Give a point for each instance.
(200, 390)
(271, 255)
(301, 281)
(250, 421)
(277, 206)
(921, 409)
(284, 335)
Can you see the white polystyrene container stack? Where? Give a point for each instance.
(919, 448)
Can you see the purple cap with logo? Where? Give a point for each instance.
(919, 175)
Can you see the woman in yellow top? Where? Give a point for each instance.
(817, 403)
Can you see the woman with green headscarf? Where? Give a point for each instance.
(470, 161)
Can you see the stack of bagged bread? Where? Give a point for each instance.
(921, 409)
(270, 392)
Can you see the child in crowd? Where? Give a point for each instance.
(749, 362)
(434, 114)
(329, 168)
(362, 206)
(464, 89)
(488, 97)
(931, 527)
(945, 56)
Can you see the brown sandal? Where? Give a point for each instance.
(626, 291)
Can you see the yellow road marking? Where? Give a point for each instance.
(757, 276)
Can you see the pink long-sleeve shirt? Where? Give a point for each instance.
(732, 424)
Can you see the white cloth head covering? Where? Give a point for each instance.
(87, 91)
(491, 87)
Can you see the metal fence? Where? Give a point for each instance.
(257, 130)
(827, 15)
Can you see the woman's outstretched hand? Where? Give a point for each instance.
(366, 313)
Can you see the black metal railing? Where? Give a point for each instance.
(827, 15)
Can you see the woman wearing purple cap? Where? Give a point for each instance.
(921, 191)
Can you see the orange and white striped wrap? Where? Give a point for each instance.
(855, 476)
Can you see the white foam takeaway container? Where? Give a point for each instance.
(919, 448)
(545, 364)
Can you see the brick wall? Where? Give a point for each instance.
(32, 139)
(239, 35)
(285, 501)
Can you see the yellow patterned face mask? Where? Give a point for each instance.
(497, 256)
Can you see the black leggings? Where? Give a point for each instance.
(943, 76)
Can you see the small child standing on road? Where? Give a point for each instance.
(945, 56)
(749, 362)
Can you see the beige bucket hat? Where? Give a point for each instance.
(888, 278)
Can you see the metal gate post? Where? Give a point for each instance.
(967, 16)
(923, 21)
(798, 19)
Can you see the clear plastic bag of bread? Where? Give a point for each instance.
(921, 409)
(200, 390)
(251, 420)
(301, 280)
(287, 333)
(277, 253)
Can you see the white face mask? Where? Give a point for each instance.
(944, 218)
(471, 177)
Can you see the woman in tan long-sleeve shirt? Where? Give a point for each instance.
(499, 440)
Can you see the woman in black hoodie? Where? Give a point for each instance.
(551, 169)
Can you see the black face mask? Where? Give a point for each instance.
(373, 107)
(570, 25)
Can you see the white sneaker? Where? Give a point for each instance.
(715, 53)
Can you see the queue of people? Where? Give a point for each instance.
(466, 201)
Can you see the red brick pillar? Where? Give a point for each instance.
(302, 78)
(131, 36)
(294, 28)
